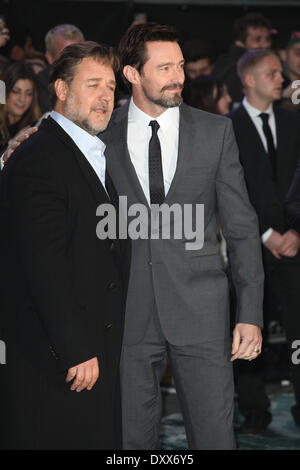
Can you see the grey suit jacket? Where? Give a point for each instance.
(190, 288)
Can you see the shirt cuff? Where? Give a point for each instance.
(266, 235)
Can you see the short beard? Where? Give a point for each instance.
(164, 102)
(74, 116)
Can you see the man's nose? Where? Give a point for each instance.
(179, 76)
(105, 95)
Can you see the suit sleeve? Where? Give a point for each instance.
(240, 228)
(38, 205)
(292, 205)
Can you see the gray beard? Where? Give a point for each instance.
(164, 102)
(83, 123)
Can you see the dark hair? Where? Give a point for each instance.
(72, 55)
(132, 50)
(251, 58)
(18, 71)
(253, 20)
(196, 49)
(199, 93)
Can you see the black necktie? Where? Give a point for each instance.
(270, 142)
(156, 180)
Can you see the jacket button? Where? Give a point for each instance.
(112, 246)
(113, 286)
(108, 326)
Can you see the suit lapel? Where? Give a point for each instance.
(252, 134)
(185, 142)
(87, 170)
(282, 140)
(118, 158)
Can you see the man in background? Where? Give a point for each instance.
(55, 41)
(269, 144)
(251, 31)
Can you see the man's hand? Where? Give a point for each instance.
(85, 375)
(291, 243)
(247, 342)
(17, 140)
(275, 243)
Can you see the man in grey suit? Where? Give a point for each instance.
(162, 151)
(178, 302)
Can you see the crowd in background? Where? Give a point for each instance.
(212, 81)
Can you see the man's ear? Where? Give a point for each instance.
(131, 74)
(61, 89)
(249, 80)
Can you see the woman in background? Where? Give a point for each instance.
(21, 109)
(209, 94)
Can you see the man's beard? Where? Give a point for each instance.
(72, 113)
(163, 101)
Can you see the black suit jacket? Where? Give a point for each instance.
(292, 206)
(267, 193)
(62, 299)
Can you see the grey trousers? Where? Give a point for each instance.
(204, 383)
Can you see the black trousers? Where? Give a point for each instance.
(282, 286)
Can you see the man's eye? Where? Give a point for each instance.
(92, 86)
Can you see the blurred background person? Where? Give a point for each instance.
(55, 41)
(36, 60)
(21, 108)
(4, 32)
(200, 56)
(269, 143)
(252, 31)
(290, 57)
(208, 93)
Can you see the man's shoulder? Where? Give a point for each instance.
(286, 115)
(203, 118)
(40, 148)
(238, 112)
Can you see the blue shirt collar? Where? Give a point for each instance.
(84, 141)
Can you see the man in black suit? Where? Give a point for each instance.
(62, 289)
(269, 145)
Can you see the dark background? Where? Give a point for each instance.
(105, 22)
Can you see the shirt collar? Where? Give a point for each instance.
(254, 112)
(84, 141)
(165, 120)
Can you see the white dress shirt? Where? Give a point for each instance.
(91, 146)
(138, 136)
(257, 121)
